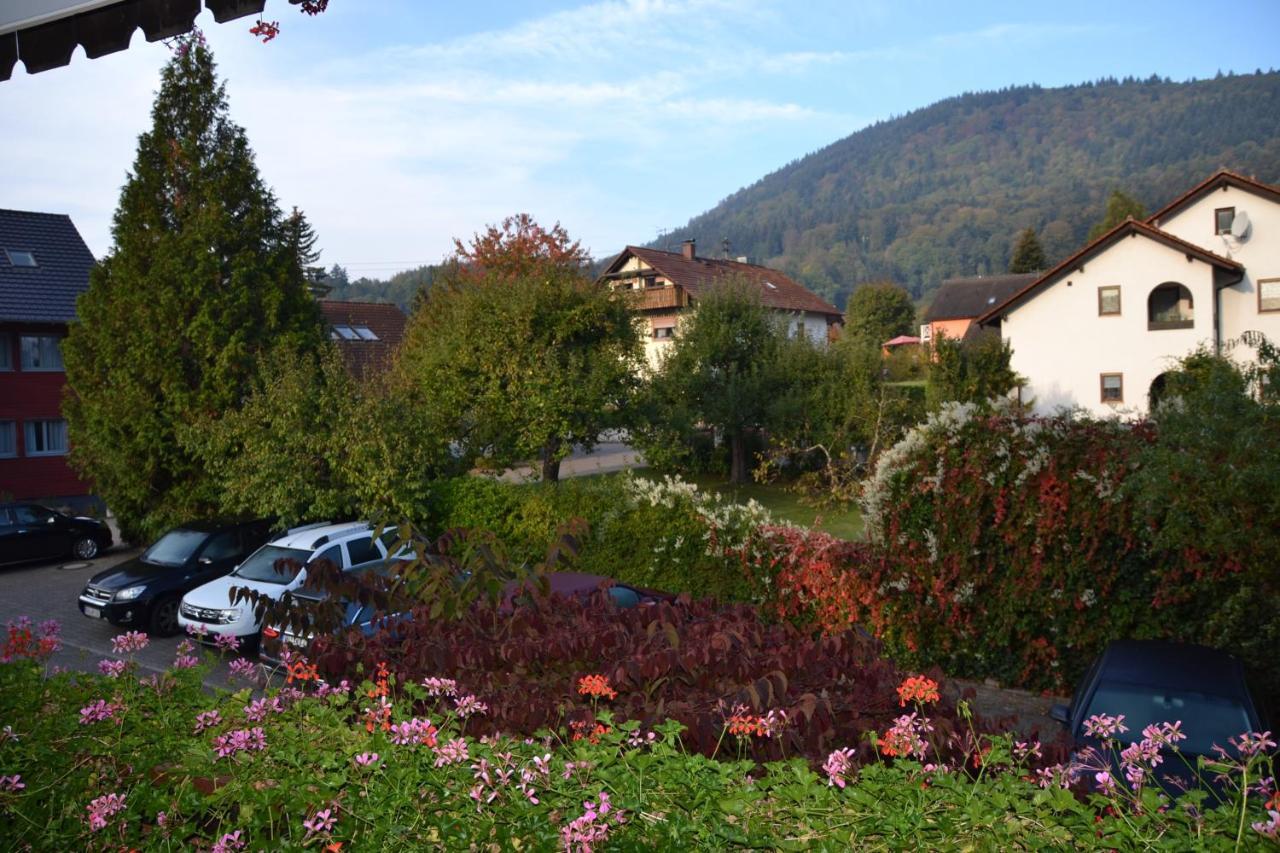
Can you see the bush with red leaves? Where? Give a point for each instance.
(712, 667)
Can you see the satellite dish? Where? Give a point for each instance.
(1240, 225)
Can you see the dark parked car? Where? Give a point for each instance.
(1149, 682)
(34, 532)
(144, 592)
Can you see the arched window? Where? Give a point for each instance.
(1169, 307)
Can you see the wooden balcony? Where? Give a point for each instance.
(653, 298)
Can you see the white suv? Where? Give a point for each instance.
(350, 545)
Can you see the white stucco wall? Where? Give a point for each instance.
(1259, 252)
(1062, 346)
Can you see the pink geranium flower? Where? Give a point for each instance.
(321, 822)
(102, 808)
(131, 641)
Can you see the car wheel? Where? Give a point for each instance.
(164, 617)
(85, 548)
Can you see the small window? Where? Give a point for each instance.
(1108, 301)
(224, 546)
(6, 351)
(21, 259)
(46, 438)
(1170, 306)
(771, 285)
(1222, 219)
(8, 439)
(365, 333)
(28, 515)
(41, 352)
(800, 329)
(663, 333)
(1269, 294)
(651, 281)
(363, 551)
(346, 333)
(1113, 387)
(332, 554)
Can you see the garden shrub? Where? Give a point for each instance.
(1000, 548)
(665, 534)
(688, 661)
(118, 762)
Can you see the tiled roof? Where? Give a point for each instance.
(45, 293)
(696, 275)
(966, 298)
(1219, 179)
(1128, 227)
(386, 321)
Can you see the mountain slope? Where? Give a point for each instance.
(943, 191)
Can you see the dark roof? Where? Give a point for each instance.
(696, 275)
(966, 298)
(45, 293)
(1128, 227)
(1176, 665)
(1221, 178)
(48, 39)
(383, 319)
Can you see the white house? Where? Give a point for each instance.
(1100, 330)
(663, 286)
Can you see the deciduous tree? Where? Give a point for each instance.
(879, 312)
(1120, 206)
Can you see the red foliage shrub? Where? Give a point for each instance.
(703, 664)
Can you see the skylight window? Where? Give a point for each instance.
(346, 333)
(771, 285)
(365, 333)
(20, 258)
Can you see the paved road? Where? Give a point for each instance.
(49, 591)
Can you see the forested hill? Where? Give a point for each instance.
(943, 191)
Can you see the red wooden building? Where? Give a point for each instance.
(44, 266)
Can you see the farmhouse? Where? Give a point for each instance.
(663, 286)
(1100, 329)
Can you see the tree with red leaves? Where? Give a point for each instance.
(521, 247)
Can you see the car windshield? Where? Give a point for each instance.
(1206, 719)
(261, 565)
(174, 548)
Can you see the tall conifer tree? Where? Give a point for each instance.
(1028, 256)
(201, 281)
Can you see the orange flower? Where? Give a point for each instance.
(596, 686)
(302, 671)
(917, 688)
(580, 731)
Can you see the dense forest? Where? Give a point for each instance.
(945, 190)
(401, 288)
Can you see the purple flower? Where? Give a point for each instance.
(98, 711)
(11, 784)
(1103, 726)
(240, 740)
(243, 669)
(1269, 827)
(112, 668)
(322, 822)
(102, 808)
(207, 720)
(186, 647)
(131, 641)
(186, 662)
(838, 767)
(469, 704)
(197, 631)
(365, 759)
(257, 710)
(440, 686)
(1250, 744)
(226, 642)
(1059, 776)
(1105, 782)
(49, 628)
(1164, 734)
(452, 752)
(229, 842)
(412, 732)
(592, 829)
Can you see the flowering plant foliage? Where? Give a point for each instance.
(313, 777)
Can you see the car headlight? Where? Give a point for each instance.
(130, 594)
(228, 616)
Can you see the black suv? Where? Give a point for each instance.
(34, 532)
(144, 592)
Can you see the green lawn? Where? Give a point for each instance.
(785, 505)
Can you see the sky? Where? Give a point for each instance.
(397, 125)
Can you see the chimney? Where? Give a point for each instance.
(688, 249)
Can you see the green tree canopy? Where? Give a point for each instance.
(523, 351)
(1028, 255)
(1120, 206)
(201, 281)
(879, 312)
(970, 371)
(720, 373)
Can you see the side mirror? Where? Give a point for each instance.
(1061, 713)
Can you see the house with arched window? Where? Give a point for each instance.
(1100, 329)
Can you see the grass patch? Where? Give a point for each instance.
(786, 506)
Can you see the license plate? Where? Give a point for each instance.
(93, 611)
(294, 641)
